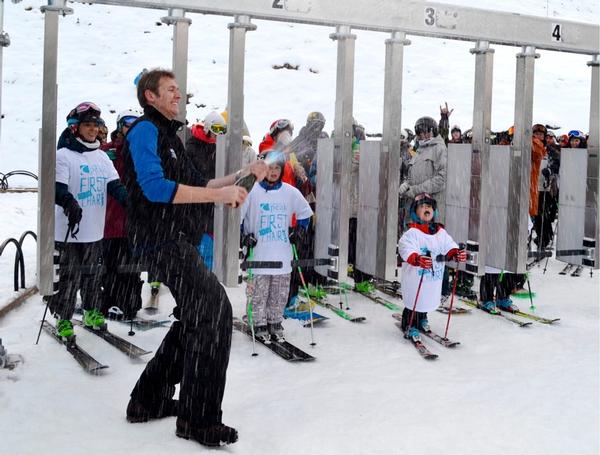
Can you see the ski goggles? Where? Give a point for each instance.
(86, 106)
(576, 133)
(424, 198)
(281, 125)
(218, 129)
(128, 121)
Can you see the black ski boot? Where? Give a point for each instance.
(213, 435)
(138, 413)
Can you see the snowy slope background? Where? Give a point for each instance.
(505, 390)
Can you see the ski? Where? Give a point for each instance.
(126, 347)
(283, 349)
(566, 269)
(84, 359)
(390, 290)
(455, 310)
(431, 334)
(380, 300)
(537, 318)
(146, 324)
(421, 348)
(341, 313)
(577, 271)
(520, 323)
(302, 316)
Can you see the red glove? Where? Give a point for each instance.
(425, 262)
(416, 260)
(461, 256)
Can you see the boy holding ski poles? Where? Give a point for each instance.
(267, 214)
(421, 275)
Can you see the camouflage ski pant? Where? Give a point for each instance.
(269, 294)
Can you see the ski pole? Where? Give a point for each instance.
(249, 304)
(48, 300)
(312, 337)
(461, 246)
(412, 314)
(532, 306)
(548, 257)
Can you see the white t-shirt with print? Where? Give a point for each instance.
(416, 241)
(87, 176)
(268, 215)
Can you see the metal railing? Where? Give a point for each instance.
(4, 178)
(19, 265)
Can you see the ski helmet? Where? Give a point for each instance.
(126, 118)
(315, 116)
(421, 199)
(407, 135)
(426, 125)
(215, 123)
(577, 134)
(279, 125)
(84, 112)
(455, 128)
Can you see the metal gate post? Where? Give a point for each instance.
(47, 155)
(344, 97)
(389, 164)
(480, 158)
(229, 156)
(181, 25)
(592, 209)
(520, 163)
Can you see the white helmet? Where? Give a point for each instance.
(126, 117)
(215, 123)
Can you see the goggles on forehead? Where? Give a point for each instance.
(576, 133)
(217, 128)
(86, 106)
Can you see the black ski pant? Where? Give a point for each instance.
(500, 284)
(78, 270)
(120, 289)
(547, 211)
(417, 318)
(195, 351)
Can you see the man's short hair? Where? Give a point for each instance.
(150, 80)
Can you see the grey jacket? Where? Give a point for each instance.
(427, 173)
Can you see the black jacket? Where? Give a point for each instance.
(150, 224)
(203, 156)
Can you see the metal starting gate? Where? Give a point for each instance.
(470, 209)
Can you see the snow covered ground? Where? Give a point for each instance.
(504, 390)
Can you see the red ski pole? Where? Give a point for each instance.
(412, 314)
(462, 247)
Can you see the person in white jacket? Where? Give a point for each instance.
(420, 246)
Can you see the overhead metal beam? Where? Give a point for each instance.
(412, 17)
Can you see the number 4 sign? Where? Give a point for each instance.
(556, 32)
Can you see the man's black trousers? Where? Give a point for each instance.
(195, 351)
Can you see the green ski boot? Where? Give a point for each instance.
(64, 329)
(94, 319)
(365, 287)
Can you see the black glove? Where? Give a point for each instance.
(73, 212)
(546, 172)
(249, 241)
(298, 235)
